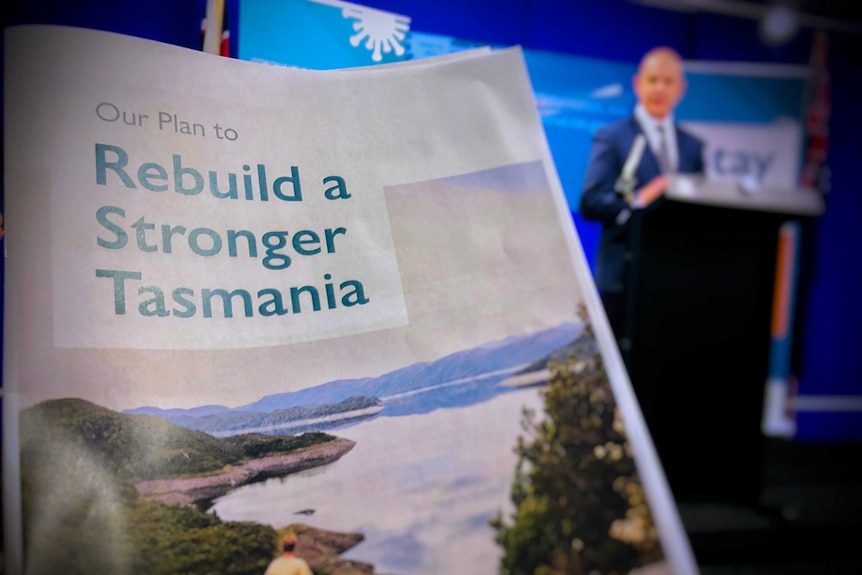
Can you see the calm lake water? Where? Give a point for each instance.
(421, 488)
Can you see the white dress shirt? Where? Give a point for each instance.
(650, 127)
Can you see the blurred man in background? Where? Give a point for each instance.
(659, 84)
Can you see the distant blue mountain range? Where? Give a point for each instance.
(461, 378)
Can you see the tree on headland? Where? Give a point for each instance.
(579, 506)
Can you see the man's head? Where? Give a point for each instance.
(659, 82)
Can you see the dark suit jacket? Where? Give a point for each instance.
(599, 201)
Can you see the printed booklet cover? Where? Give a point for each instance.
(248, 303)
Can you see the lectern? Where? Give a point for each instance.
(699, 317)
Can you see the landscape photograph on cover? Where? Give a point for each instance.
(482, 437)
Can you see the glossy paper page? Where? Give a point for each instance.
(247, 300)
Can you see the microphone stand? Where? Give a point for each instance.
(625, 186)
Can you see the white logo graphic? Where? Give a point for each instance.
(609, 91)
(382, 32)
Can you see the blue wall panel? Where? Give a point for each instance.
(615, 30)
(833, 322)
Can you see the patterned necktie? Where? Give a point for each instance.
(663, 152)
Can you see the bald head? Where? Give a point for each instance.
(659, 82)
(660, 55)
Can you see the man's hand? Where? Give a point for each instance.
(652, 191)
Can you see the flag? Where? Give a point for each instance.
(215, 29)
(815, 172)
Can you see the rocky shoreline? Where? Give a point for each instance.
(203, 489)
(322, 550)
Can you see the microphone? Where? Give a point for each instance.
(634, 158)
(625, 184)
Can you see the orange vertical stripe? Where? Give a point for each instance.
(781, 293)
